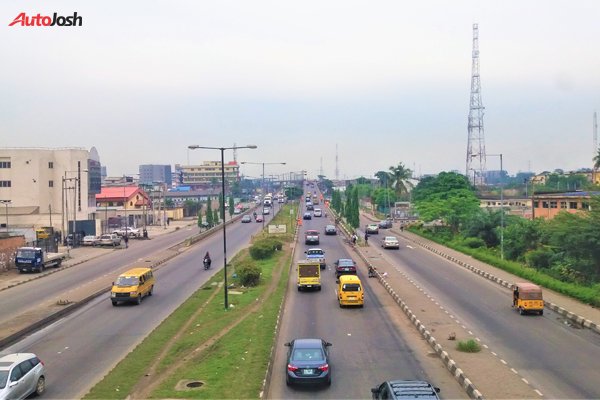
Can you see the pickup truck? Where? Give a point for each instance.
(309, 275)
(36, 259)
(317, 255)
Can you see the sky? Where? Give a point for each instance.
(384, 81)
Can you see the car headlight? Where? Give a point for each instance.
(113, 294)
(133, 293)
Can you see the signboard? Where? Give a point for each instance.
(277, 228)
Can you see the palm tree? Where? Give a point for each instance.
(384, 178)
(399, 178)
(596, 160)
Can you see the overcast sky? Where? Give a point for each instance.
(387, 81)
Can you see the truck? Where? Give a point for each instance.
(36, 259)
(309, 275)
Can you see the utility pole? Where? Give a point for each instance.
(476, 141)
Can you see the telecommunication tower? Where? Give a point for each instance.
(234, 153)
(337, 170)
(476, 143)
(321, 169)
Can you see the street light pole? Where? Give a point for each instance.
(263, 183)
(501, 206)
(222, 149)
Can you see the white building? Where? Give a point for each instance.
(49, 187)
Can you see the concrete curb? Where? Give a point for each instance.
(450, 364)
(577, 319)
(263, 393)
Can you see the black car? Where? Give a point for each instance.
(308, 362)
(385, 224)
(405, 390)
(307, 215)
(344, 266)
(330, 230)
(246, 219)
(310, 207)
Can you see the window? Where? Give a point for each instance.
(573, 205)
(16, 374)
(26, 366)
(50, 164)
(553, 204)
(563, 204)
(4, 164)
(544, 204)
(50, 183)
(5, 184)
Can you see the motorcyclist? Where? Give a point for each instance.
(207, 261)
(371, 271)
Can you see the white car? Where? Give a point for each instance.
(109, 240)
(390, 242)
(125, 230)
(266, 211)
(90, 240)
(21, 374)
(318, 212)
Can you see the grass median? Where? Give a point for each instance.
(225, 352)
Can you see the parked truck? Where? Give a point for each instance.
(309, 275)
(36, 259)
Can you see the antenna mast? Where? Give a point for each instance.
(595, 134)
(337, 170)
(234, 153)
(476, 142)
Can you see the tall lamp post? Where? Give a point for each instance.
(6, 203)
(501, 205)
(263, 180)
(222, 149)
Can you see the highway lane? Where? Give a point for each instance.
(553, 356)
(81, 348)
(368, 347)
(29, 296)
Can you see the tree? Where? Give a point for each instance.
(231, 206)
(363, 181)
(209, 214)
(199, 219)
(400, 176)
(384, 178)
(216, 217)
(520, 236)
(449, 197)
(383, 198)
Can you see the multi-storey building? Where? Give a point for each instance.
(150, 174)
(50, 187)
(208, 173)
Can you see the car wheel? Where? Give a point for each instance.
(328, 383)
(114, 303)
(541, 312)
(138, 301)
(41, 268)
(287, 381)
(40, 386)
(521, 311)
(150, 292)
(299, 289)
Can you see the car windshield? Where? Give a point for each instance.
(390, 238)
(127, 281)
(314, 252)
(307, 355)
(351, 287)
(314, 233)
(26, 253)
(345, 263)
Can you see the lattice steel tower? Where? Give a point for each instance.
(476, 143)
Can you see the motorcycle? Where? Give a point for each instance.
(206, 262)
(372, 273)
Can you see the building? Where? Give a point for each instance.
(50, 187)
(547, 205)
(127, 205)
(207, 174)
(150, 174)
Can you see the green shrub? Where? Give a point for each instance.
(470, 346)
(539, 258)
(473, 242)
(248, 273)
(265, 248)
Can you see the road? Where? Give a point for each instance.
(80, 349)
(369, 344)
(553, 356)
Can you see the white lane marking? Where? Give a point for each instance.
(494, 354)
(525, 380)
(538, 392)
(514, 370)
(470, 333)
(486, 346)
(409, 246)
(503, 362)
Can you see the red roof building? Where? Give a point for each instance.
(128, 197)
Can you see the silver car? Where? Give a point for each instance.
(21, 374)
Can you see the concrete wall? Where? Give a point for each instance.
(8, 248)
